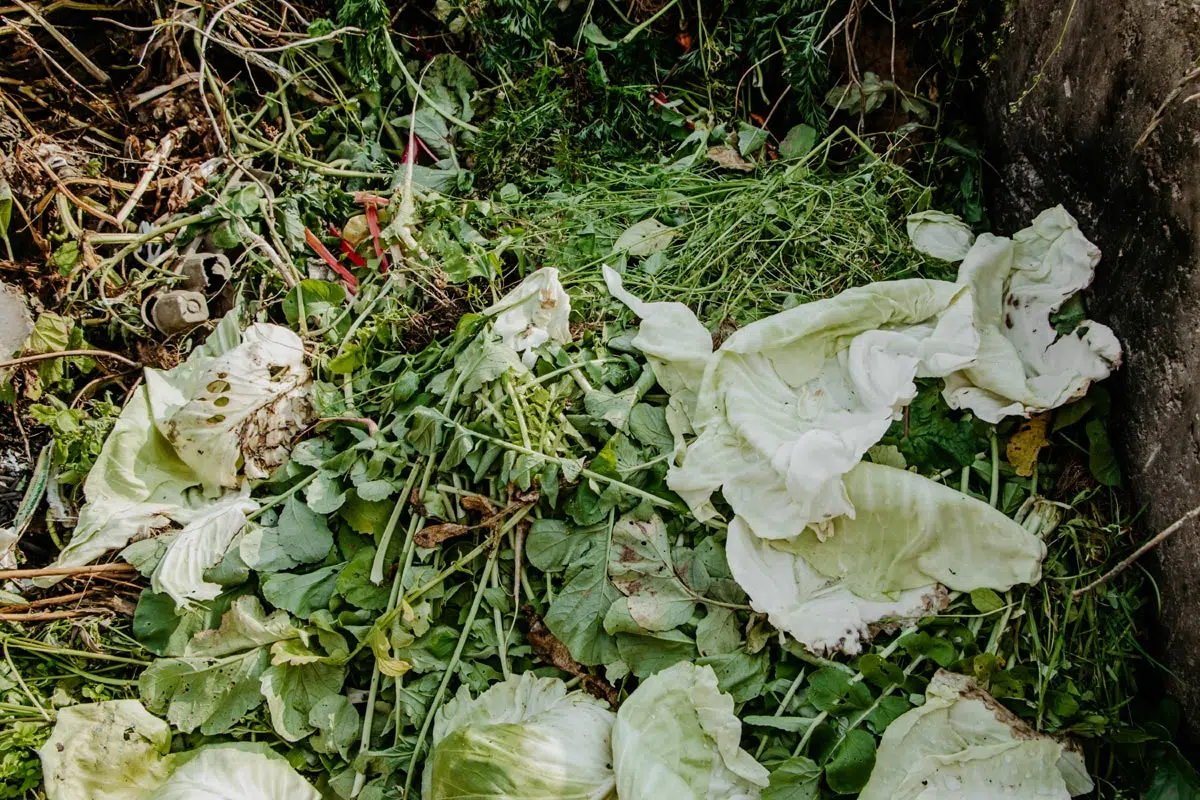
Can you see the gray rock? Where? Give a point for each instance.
(1074, 139)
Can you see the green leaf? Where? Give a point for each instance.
(890, 709)
(789, 724)
(354, 583)
(576, 617)
(292, 692)
(1174, 779)
(302, 595)
(212, 694)
(244, 626)
(323, 302)
(880, 671)
(921, 643)
(740, 674)
(798, 142)
(986, 601)
(161, 630)
(325, 494)
(1102, 460)
(303, 535)
(928, 433)
(261, 550)
(797, 778)
(368, 517)
(829, 689)
(337, 723)
(641, 567)
(718, 632)
(648, 424)
(850, 767)
(552, 544)
(750, 138)
(647, 654)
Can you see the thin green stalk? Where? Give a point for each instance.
(449, 673)
(779, 711)
(994, 497)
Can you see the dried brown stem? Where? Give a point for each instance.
(16, 362)
(42, 572)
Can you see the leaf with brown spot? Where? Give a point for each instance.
(479, 504)
(432, 535)
(550, 649)
(1024, 445)
(729, 158)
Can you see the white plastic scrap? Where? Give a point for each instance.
(535, 312)
(963, 744)
(1024, 365)
(790, 403)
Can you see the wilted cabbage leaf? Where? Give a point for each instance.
(116, 750)
(790, 403)
(238, 400)
(1024, 365)
(537, 311)
(962, 743)
(240, 408)
(201, 544)
(111, 750)
(910, 537)
(255, 770)
(940, 235)
(644, 238)
(524, 739)
(677, 737)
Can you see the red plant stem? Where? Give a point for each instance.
(373, 227)
(326, 256)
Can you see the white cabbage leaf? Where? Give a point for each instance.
(116, 750)
(940, 235)
(201, 544)
(166, 459)
(819, 612)
(677, 737)
(1024, 365)
(527, 738)
(137, 486)
(222, 771)
(240, 408)
(790, 403)
(963, 744)
(112, 750)
(537, 311)
(910, 538)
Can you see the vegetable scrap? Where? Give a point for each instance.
(565, 402)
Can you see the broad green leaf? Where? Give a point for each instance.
(302, 595)
(798, 778)
(262, 550)
(1102, 459)
(576, 617)
(323, 302)
(325, 494)
(641, 567)
(798, 142)
(648, 653)
(789, 724)
(986, 601)
(303, 534)
(337, 725)
(243, 627)
(648, 424)
(741, 674)
(750, 138)
(354, 582)
(829, 689)
(644, 238)
(293, 691)
(718, 632)
(208, 694)
(850, 766)
(936, 648)
(890, 709)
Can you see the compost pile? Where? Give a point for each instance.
(527, 400)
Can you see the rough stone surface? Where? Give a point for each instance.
(1073, 139)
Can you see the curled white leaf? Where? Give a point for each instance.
(940, 235)
(537, 311)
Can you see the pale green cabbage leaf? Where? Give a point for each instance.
(166, 461)
(677, 737)
(940, 235)
(526, 738)
(961, 743)
(116, 750)
(1024, 365)
(537, 311)
(909, 538)
(112, 750)
(790, 403)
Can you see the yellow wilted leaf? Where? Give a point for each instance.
(1024, 445)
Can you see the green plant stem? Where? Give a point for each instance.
(994, 489)
(779, 711)
(449, 673)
